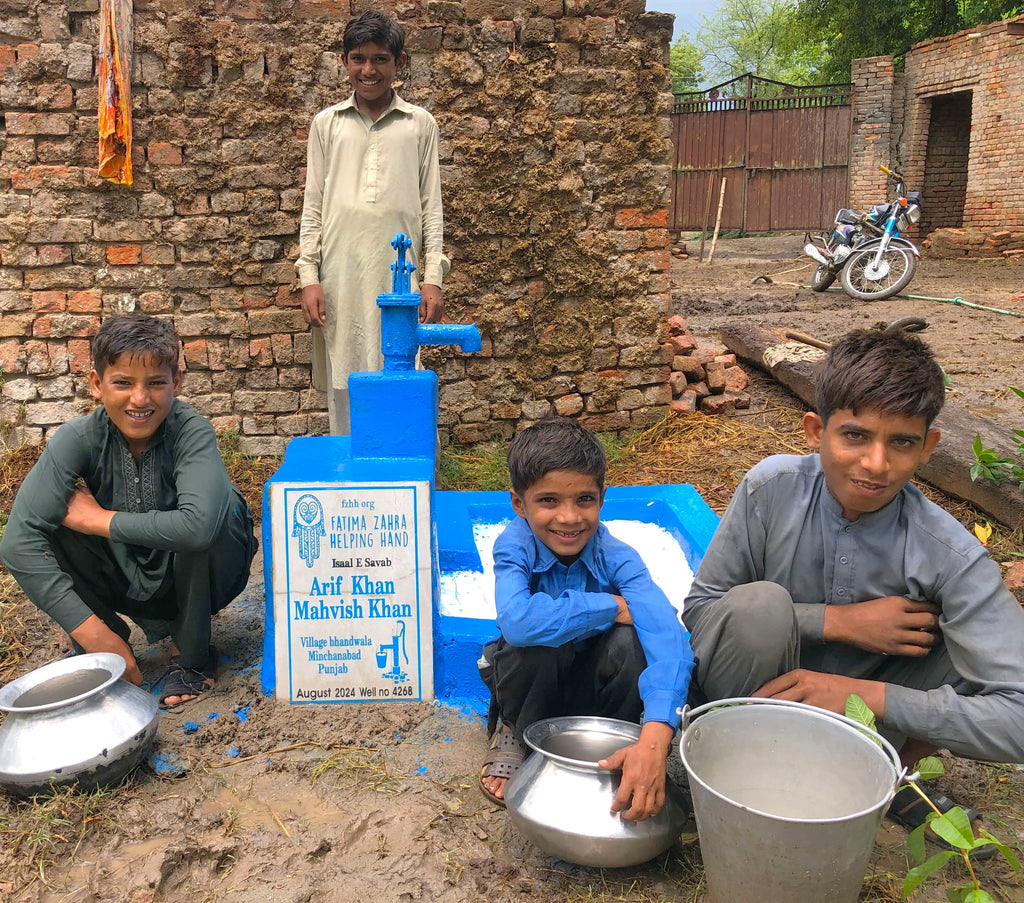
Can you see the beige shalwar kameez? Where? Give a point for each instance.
(365, 181)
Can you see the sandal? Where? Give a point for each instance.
(909, 811)
(182, 681)
(505, 753)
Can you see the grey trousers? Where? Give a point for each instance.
(750, 636)
(196, 586)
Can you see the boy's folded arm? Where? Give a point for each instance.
(38, 511)
(983, 630)
(666, 679)
(204, 499)
(528, 618)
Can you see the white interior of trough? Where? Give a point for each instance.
(470, 594)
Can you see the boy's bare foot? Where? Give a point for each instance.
(504, 756)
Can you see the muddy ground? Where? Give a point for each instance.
(254, 801)
(982, 351)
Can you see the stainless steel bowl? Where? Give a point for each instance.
(73, 720)
(561, 801)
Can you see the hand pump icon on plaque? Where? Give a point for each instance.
(395, 648)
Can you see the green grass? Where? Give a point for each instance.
(482, 467)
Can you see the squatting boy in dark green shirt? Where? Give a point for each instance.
(130, 510)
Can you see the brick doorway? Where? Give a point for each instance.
(945, 165)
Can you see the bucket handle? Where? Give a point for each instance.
(687, 715)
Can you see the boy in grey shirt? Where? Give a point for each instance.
(831, 574)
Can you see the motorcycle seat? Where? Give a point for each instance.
(848, 217)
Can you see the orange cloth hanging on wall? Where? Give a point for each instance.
(115, 91)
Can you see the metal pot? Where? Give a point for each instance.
(561, 801)
(73, 720)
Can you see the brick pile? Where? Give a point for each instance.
(703, 378)
(956, 243)
(555, 153)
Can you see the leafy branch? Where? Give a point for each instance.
(953, 826)
(995, 467)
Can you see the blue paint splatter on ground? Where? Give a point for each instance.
(189, 727)
(167, 764)
(447, 739)
(422, 769)
(212, 715)
(243, 713)
(233, 751)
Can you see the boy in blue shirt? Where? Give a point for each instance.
(584, 629)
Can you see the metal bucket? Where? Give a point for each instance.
(788, 799)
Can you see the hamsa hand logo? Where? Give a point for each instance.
(308, 527)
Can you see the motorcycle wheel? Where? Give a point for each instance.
(822, 278)
(895, 270)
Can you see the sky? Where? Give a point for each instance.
(687, 13)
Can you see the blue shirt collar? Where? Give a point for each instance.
(546, 559)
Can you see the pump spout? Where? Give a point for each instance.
(401, 333)
(466, 336)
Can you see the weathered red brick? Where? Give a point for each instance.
(196, 355)
(1013, 578)
(40, 123)
(123, 255)
(12, 356)
(46, 177)
(315, 9)
(158, 255)
(27, 52)
(164, 154)
(683, 343)
(52, 255)
(261, 352)
(629, 218)
(736, 378)
(684, 404)
(79, 356)
(49, 302)
(676, 325)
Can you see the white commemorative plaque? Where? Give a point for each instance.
(352, 592)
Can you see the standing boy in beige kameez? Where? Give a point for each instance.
(372, 170)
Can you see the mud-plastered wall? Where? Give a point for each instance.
(555, 154)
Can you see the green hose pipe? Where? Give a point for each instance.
(963, 303)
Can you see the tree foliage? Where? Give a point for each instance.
(815, 41)
(686, 63)
(764, 37)
(881, 27)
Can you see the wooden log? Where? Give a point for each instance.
(795, 365)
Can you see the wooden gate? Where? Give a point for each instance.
(783, 151)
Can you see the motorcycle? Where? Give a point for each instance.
(866, 251)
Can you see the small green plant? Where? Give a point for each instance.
(995, 467)
(953, 826)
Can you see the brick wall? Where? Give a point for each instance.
(555, 155)
(871, 129)
(988, 62)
